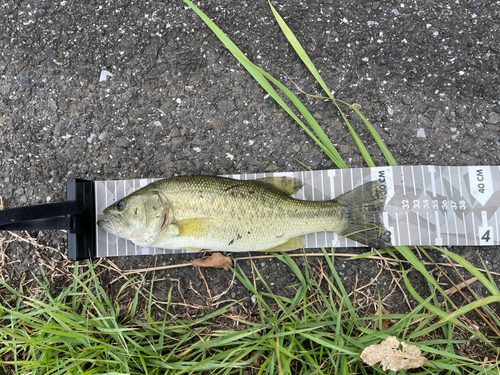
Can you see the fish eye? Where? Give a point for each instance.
(121, 205)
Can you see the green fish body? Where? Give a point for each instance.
(216, 213)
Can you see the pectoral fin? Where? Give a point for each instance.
(193, 227)
(172, 230)
(291, 244)
(287, 185)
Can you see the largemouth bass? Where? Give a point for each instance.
(216, 213)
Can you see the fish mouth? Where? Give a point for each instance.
(107, 223)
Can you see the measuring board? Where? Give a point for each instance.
(425, 205)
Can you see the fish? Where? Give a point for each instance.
(224, 214)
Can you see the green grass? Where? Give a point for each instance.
(318, 331)
(321, 330)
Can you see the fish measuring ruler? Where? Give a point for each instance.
(425, 205)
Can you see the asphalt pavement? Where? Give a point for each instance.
(133, 89)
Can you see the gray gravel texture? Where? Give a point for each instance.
(133, 89)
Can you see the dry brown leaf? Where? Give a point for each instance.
(456, 288)
(257, 361)
(217, 260)
(385, 322)
(391, 357)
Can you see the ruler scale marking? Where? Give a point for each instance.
(474, 228)
(418, 225)
(403, 180)
(397, 226)
(460, 182)
(423, 180)
(413, 181)
(496, 226)
(342, 192)
(447, 227)
(408, 227)
(465, 229)
(313, 198)
(457, 242)
(107, 234)
(323, 189)
(441, 180)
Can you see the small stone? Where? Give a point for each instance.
(52, 105)
(104, 75)
(226, 106)
(494, 118)
(421, 106)
(122, 142)
(102, 136)
(196, 149)
(25, 82)
(272, 168)
(91, 138)
(157, 123)
(40, 13)
(421, 133)
(23, 199)
(5, 90)
(345, 149)
(390, 110)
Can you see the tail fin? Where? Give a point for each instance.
(363, 223)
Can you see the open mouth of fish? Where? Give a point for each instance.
(107, 224)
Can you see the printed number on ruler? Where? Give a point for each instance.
(485, 230)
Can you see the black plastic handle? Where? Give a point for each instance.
(76, 215)
(40, 217)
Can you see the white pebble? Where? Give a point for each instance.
(421, 133)
(104, 75)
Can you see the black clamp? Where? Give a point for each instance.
(76, 215)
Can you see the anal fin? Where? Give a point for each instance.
(292, 244)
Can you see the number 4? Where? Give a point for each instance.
(486, 236)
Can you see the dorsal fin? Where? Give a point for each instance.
(287, 185)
